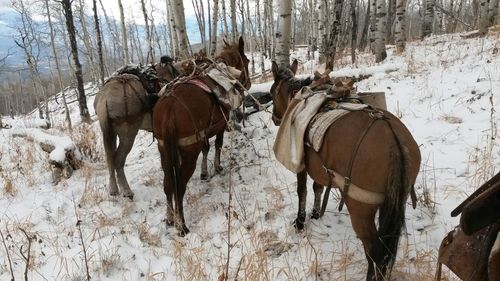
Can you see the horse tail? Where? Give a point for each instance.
(392, 211)
(172, 165)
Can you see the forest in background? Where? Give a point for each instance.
(68, 43)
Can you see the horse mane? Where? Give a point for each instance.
(229, 54)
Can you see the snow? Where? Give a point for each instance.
(444, 89)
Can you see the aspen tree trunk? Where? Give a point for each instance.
(224, 18)
(58, 67)
(400, 32)
(495, 11)
(322, 28)
(199, 12)
(381, 15)
(428, 18)
(261, 36)
(484, 17)
(373, 24)
(266, 29)
(284, 33)
(180, 26)
(438, 18)
(82, 99)
(354, 31)
(234, 24)
(126, 58)
(86, 42)
(334, 34)
(168, 28)
(99, 42)
(391, 16)
(271, 33)
(213, 28)
(252, 36)
(137, 44)
(173, 28)
(364, 33)
(151, 53)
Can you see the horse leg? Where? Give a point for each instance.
(188, 165)
(302, 193)
(318, 190)
(219, 138)
(126, 143)
(204, 166)
(167, 188)
(109, 139)
(363, 223)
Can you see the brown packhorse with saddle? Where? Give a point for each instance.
(123, 106)
(364, 151)
(188, 113)
(472, 249)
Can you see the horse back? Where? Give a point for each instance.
(122, 96)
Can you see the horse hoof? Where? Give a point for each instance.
(113, 193)
(299, 225)
(315, 214)
(203, 177)
(184, 231)
(219, 169)
(129, 196)
(169, 222)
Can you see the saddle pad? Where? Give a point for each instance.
(229, 96)
(322, 121)
(289, 144)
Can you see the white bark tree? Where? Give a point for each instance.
(284, 33)
(180, 28)
(400, 31)
(213, 28)
(234, 23)
(428, 18)
(380, 36)
(126, 58)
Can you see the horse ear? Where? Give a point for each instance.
(274, 70)
(350, 83)
(241, 45)
(294, 66)
(339, 83)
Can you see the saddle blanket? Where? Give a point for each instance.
(289, 144)
(322, 121)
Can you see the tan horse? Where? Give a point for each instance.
(373, 157)
(183, 121)
(123, 106)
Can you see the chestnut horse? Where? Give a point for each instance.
(373, 157)
(123, 106)
(184, 118)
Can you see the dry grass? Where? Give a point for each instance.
(8, 187)
(94, 193)
(147, 236)
(88, 142)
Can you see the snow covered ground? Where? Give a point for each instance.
(445, 89)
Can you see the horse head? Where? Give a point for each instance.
(234, 55)
(166, 70)
(284, 87)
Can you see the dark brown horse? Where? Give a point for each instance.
(123, 106)
(373, 157)
(184, 118)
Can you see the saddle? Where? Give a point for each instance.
(146, 74)
(472, 249)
